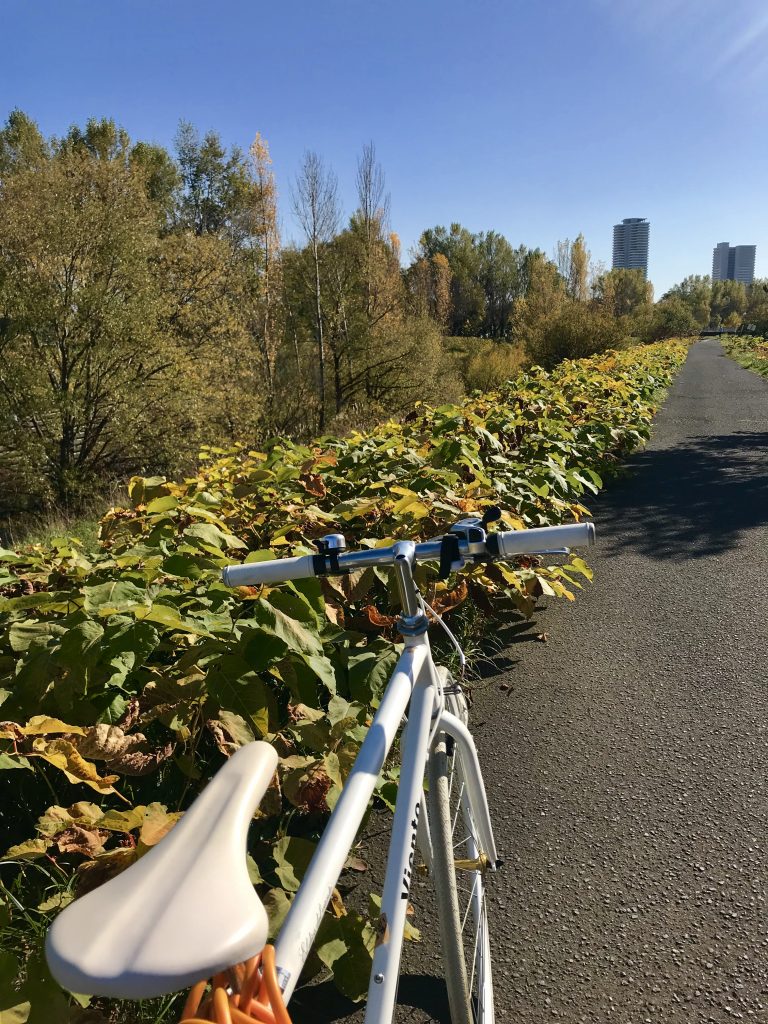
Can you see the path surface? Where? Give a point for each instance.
(627, 758)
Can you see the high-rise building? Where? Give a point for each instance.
(733, 263)
(630, 244)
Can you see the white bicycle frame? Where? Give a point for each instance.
(414, 679)
(115, 967)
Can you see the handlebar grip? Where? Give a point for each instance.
(277, 570)
(521, 542)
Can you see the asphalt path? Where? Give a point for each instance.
(626, 756)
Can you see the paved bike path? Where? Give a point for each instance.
(626, 757)
(627, 761)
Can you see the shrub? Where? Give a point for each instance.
(575, 331)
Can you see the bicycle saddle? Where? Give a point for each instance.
(185, 910)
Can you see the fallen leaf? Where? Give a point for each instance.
(75, 839)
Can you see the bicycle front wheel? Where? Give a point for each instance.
(459, 867)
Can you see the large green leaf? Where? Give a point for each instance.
(292, 856)
(369, 671)
(235, 686)
(115, 597)
(294, 634)
(22, 634)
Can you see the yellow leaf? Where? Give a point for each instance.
(26, 851)
(42, 725)
(157, 822)
(63, 755)
(18, 1014)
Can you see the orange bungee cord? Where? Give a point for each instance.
(245, 993)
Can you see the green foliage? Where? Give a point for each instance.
(121, 346)
(752, 353)
(623, 293)
(696, 292)
(484, 364)
(574, 331)
(128, 674)
(487, 277)
(670, 318)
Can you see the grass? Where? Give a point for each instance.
(27, 529)
(44, 530)
(751, 353)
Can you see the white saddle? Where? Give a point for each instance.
(185, 910)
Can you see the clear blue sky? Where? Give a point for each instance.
(537, 119)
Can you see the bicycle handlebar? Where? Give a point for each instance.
(499, 544)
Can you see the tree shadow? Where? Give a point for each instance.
(420, 992)
(694, 500)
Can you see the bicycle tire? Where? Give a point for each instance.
(461, 896)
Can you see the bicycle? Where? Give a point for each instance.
(101, 945)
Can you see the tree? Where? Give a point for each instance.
(161, 177)
(81, 362)
(429, 283)
(315, 203)
(757, 304)
(671, 318)
(573, 263)
(216, 193)
(502, 280)
(729, 298)
(457, 245)
(623, 292)
(22, 147)
(102, 139)
(544, 297)
(488, 277)
(696, 292)
(264, 261)
(372, 215)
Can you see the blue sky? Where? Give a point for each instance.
(536, 119)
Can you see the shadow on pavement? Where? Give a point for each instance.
(417, 992)
(690, 501)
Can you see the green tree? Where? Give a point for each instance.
(216, 194)
(573, 261)
(457, 245)
(429, 284)
(696, 292)
(80, 360)
(671, 318)
(488, 277)
(757, 305)
(161, 177)
(102, 139)
(623, 292)
(502, 276)
(22, 147)
(544, 296)
(729, 301)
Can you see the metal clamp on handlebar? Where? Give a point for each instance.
(472, 532)
(450, 555)
(327, 561)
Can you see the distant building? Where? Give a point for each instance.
(630, 244)
(733, 263)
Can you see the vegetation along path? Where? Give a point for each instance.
(626, 757)
(627, 761)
